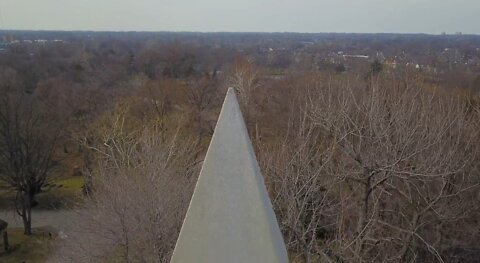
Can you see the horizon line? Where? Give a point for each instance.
(245, 32)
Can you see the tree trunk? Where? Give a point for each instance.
(87, 173)
(6, 245)
(306, 255)
(27, 215)
(364, 212)
(23, 205)
(408, 239)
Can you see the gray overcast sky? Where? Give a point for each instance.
(401, 16)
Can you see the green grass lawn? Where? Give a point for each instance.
(61, 193)
(28, 249)
(64, 192)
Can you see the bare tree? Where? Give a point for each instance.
(203, 99)
(27, 143)
(142, 187)
(296, 168)
(245, 79)
(405, 154)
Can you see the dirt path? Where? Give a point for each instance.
(57, 219)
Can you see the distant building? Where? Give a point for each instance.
(380, 56)
(391, 63)
(355, 56)
(8, 38)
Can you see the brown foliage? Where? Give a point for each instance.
(142, 185)
(376, 172)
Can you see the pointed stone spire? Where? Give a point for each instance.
(230, 218)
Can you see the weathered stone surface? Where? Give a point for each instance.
(230, 218)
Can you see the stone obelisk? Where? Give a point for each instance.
(230, 218)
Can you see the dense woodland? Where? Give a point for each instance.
(369, 144)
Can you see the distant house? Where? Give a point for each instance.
(345, 57)
(380, 56)
(391, 63)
